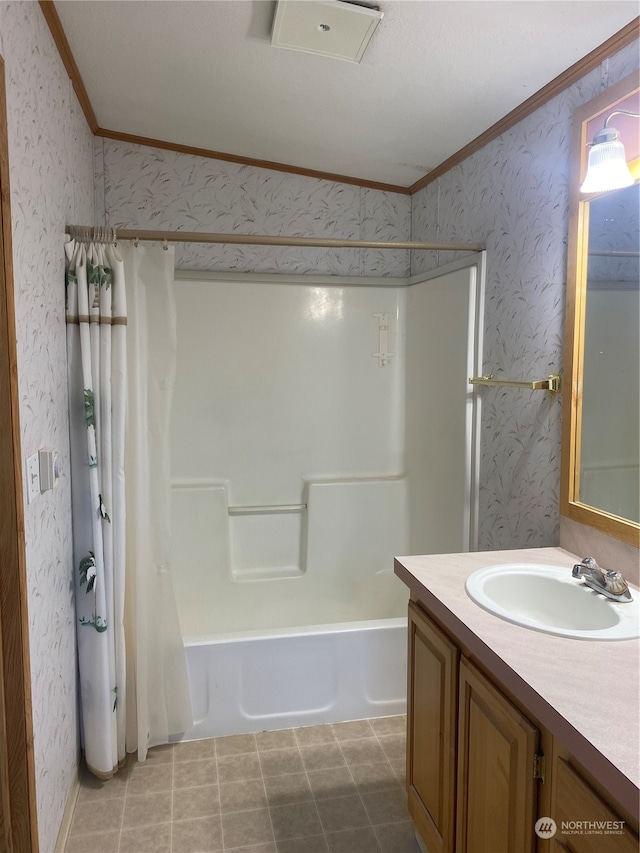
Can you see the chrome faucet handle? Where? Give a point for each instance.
(615, 583)
(609, 583)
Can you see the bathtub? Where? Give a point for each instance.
(280, 679)
(319, 638)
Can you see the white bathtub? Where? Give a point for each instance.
(297, 677)
(319, 638)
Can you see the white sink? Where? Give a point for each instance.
(547, 598)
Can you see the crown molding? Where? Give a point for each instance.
(55, 25)
(247, 161)
(619, 40)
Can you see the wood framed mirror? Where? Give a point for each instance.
(600, 484)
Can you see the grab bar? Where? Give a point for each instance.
(265, 509)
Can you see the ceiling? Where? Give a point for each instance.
(436, 74)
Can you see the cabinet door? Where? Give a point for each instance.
(431, 727)
(496, 789)
(585, 823)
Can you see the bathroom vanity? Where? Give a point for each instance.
(508, 725)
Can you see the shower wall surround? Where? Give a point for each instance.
(514, 196)
(150, 188)
(51, 177)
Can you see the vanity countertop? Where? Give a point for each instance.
(584, 692)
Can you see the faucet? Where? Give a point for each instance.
(610, 584)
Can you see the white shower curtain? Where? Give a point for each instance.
(133, 691)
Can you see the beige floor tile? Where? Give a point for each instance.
(242, 796)
(363, 751)
(322, 757)
(313, 735)
(235, 745)
(100, 816)
(92, 788)
(352, 730)
(237, 768)
(313, 844)
(331, 783)
(195, 774)
(277, 762)
(394, 746)
(199, 835)
(295, 821)
(242, 829)
(146, 839)
(195, 750)
(283, 739)
(390, 725)
(160, 754)
(386, 806)
(397, 838)
(149, 779)
(147, 809)
(288, 789)
(342, 813)
(353, 841)
(189, 803)
(378, 776)
(400, 769)
(100, 842)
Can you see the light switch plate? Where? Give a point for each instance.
(49, 469)
(33, 476)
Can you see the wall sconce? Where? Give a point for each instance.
(607, 167)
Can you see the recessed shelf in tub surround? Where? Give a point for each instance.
(584, 693)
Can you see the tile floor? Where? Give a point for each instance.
(322, 789)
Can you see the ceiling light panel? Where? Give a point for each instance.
(327, 27)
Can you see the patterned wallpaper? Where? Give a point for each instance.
(513, 195)
(152, 188)
(51, 175)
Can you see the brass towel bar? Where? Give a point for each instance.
(552, 383)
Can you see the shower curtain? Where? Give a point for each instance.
(133, 683)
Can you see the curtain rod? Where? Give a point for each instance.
(83, 232)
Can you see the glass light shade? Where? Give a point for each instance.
(607, 166)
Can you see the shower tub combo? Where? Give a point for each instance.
(293, 429)
(320, 644)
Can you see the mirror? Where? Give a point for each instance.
(601, 429)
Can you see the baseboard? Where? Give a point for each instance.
(67, 817)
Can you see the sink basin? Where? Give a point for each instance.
(547, 598)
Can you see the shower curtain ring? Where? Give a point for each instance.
(165, 245)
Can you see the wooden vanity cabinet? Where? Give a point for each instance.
(474, 759)
(496, 788)
(574, 801)
(469, 752)
(432, 712)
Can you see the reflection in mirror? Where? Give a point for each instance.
(609, 472)
(600, 432)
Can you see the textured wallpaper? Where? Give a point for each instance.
(513, 195)
(51, 174)
(152, 188)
